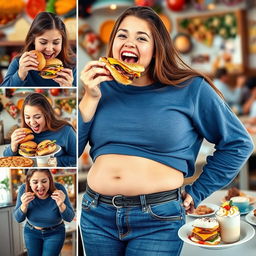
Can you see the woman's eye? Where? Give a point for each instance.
(142, 39)
(121, 36)
(43, 43)
(57, 43)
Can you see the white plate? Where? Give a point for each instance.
(58, 148)
(247, 233)
(251, 218)
(213, 206)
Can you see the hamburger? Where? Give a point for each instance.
(28, 148)
(46, 147)
(51, 68)
(29, 134)
(205, 231)
(40, 59)
(122, 72)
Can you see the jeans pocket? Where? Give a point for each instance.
(168, 211)
(87, 202)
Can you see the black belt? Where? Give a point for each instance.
(44, 229)
(126, 201)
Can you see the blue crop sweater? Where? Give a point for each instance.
(44, 212)
(33, 79)
(65, 137)
(168, 124)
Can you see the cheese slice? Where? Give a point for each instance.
(204, 236)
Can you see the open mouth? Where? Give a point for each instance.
(129, 57)
(48, 56)
(40, 192)
(35, 128)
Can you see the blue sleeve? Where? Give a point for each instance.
(12, 78)
(83, 133)
(8, 151)
(68, 214)
(18, 214)
(68, 159)
(74, 75)
(233, 145)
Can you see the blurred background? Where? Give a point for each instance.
(12, 242)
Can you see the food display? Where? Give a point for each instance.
(27, 148)
(203, 209)
(205, 231)
(123, 72)
(16, 161)
(66, 104)
(12, 109)
(228, 217)
(234, 192)
(10, 10)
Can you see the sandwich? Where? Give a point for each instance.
(29, 134)
(52, 67)
(40, 59)
(27, 148)
(122, 72)
(46, 147)
(205, 231)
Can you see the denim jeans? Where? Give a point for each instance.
(146, 230)
(44, 242)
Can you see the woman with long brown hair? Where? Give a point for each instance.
(45, 205)
(47, 35)
(144, 140)
(38, 115)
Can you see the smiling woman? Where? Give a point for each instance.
(45, 205)
(38, 115)
(47, 35)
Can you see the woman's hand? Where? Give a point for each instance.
(28, 61)
(188, 202)
(26, 198)
(65, 77)
(92, 75)
(59, 197)
(17, 136)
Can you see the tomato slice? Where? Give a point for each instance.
(33, 7)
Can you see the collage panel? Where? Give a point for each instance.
(38, 212)
(38, 44)
(38, 127)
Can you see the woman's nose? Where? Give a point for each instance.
(130, 44)
(49, 47)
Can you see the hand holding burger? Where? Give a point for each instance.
(19, 136)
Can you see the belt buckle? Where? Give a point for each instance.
(113, 200)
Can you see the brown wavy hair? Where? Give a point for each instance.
(166, 66)
(40, 101)
(31, 172)
(47, 21)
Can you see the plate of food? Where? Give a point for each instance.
(233, 192)
(185, 233)
(204, 210)
(16, 161)
(251, 217)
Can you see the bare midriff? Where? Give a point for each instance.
(114, 174)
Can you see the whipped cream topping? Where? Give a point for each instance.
(233, 211)
(206, 223)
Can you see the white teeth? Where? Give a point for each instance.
(129, 54)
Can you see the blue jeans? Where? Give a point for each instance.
(44, 243)
(146, 230)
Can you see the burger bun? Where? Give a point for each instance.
(46, 147)
(29, 134)
(40, 59)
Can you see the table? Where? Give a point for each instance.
(246, 249)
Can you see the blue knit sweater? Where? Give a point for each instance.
(33, 79)
(43, 212)
(65, 137)
(168, 124)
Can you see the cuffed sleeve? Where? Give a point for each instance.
(233, 145)
(8, 151)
